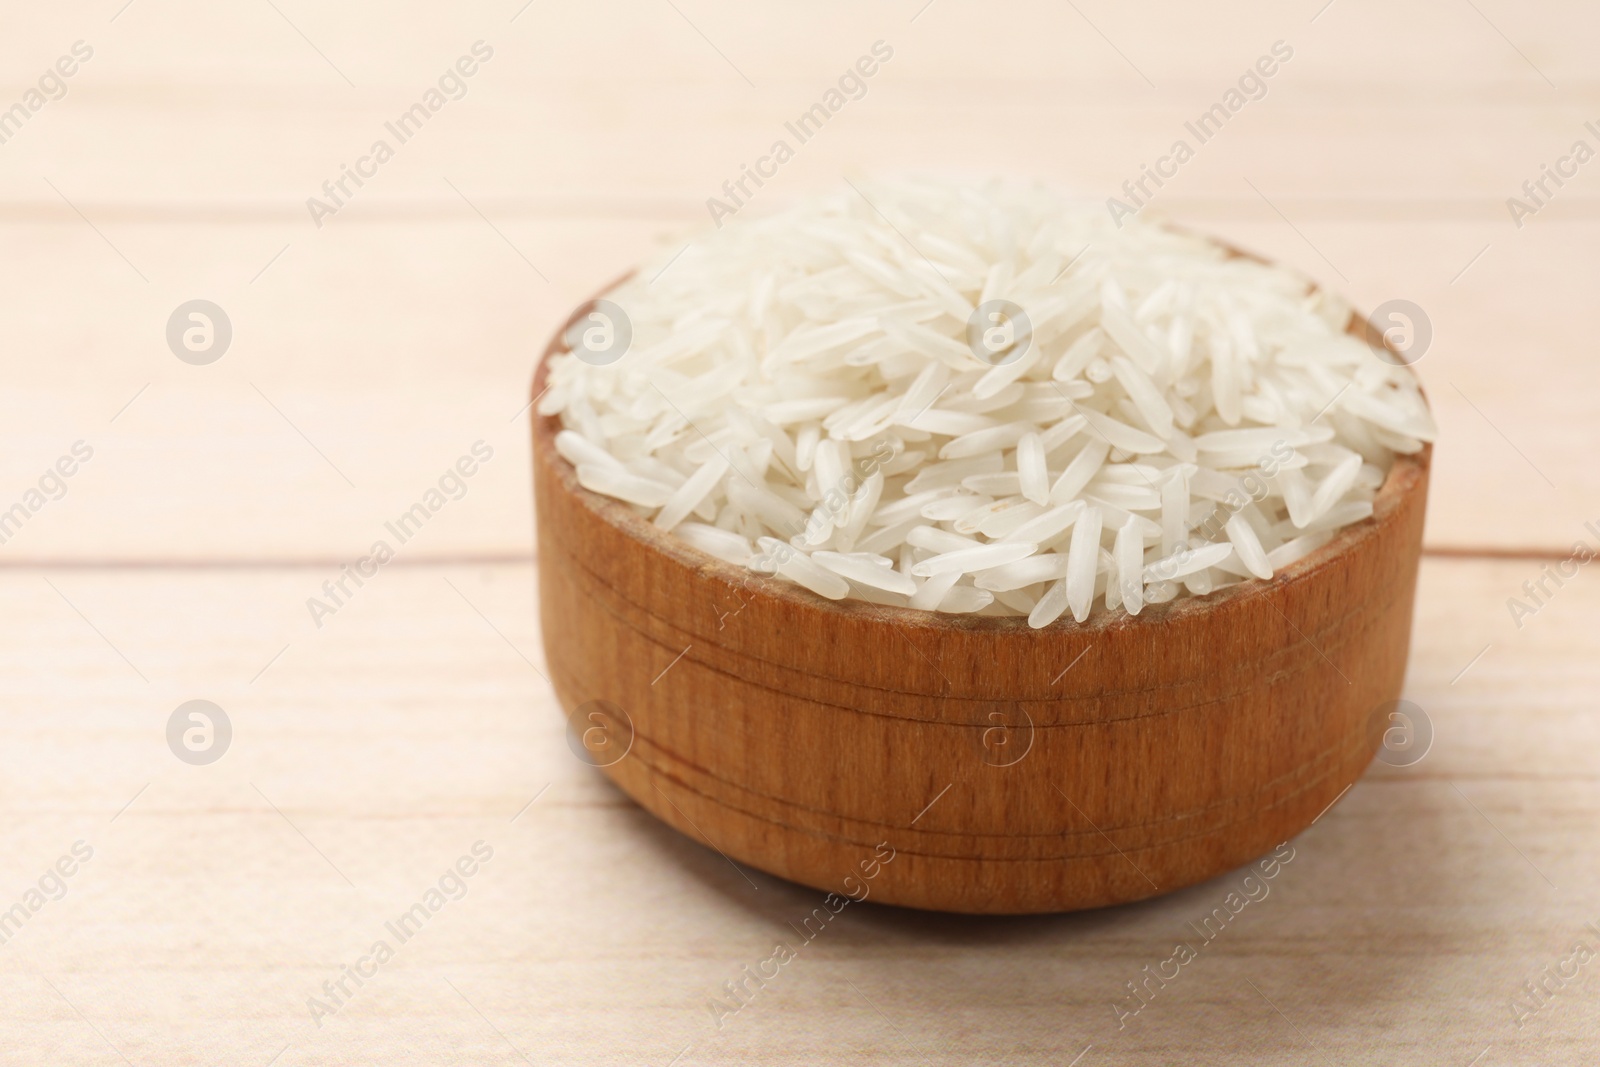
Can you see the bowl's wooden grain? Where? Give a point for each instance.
(1011, 770)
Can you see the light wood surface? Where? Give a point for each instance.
(1398, 933)
(370, 754)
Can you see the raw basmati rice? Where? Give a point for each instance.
(804, 396)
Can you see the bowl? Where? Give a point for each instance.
(966, 763)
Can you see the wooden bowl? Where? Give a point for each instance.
(1005, 770)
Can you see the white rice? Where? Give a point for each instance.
(803, 396)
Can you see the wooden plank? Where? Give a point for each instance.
(392, 348)
(408, 729)
(673, 145)
(625, 103)
(1167, 39)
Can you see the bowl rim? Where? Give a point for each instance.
(1404, 475)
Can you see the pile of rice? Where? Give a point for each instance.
(804, 396)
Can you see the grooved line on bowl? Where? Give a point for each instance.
(1367, 611)
(839, 839)
(1336, 753)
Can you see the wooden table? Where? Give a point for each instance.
(373, 753)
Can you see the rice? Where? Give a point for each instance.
(982, 399)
